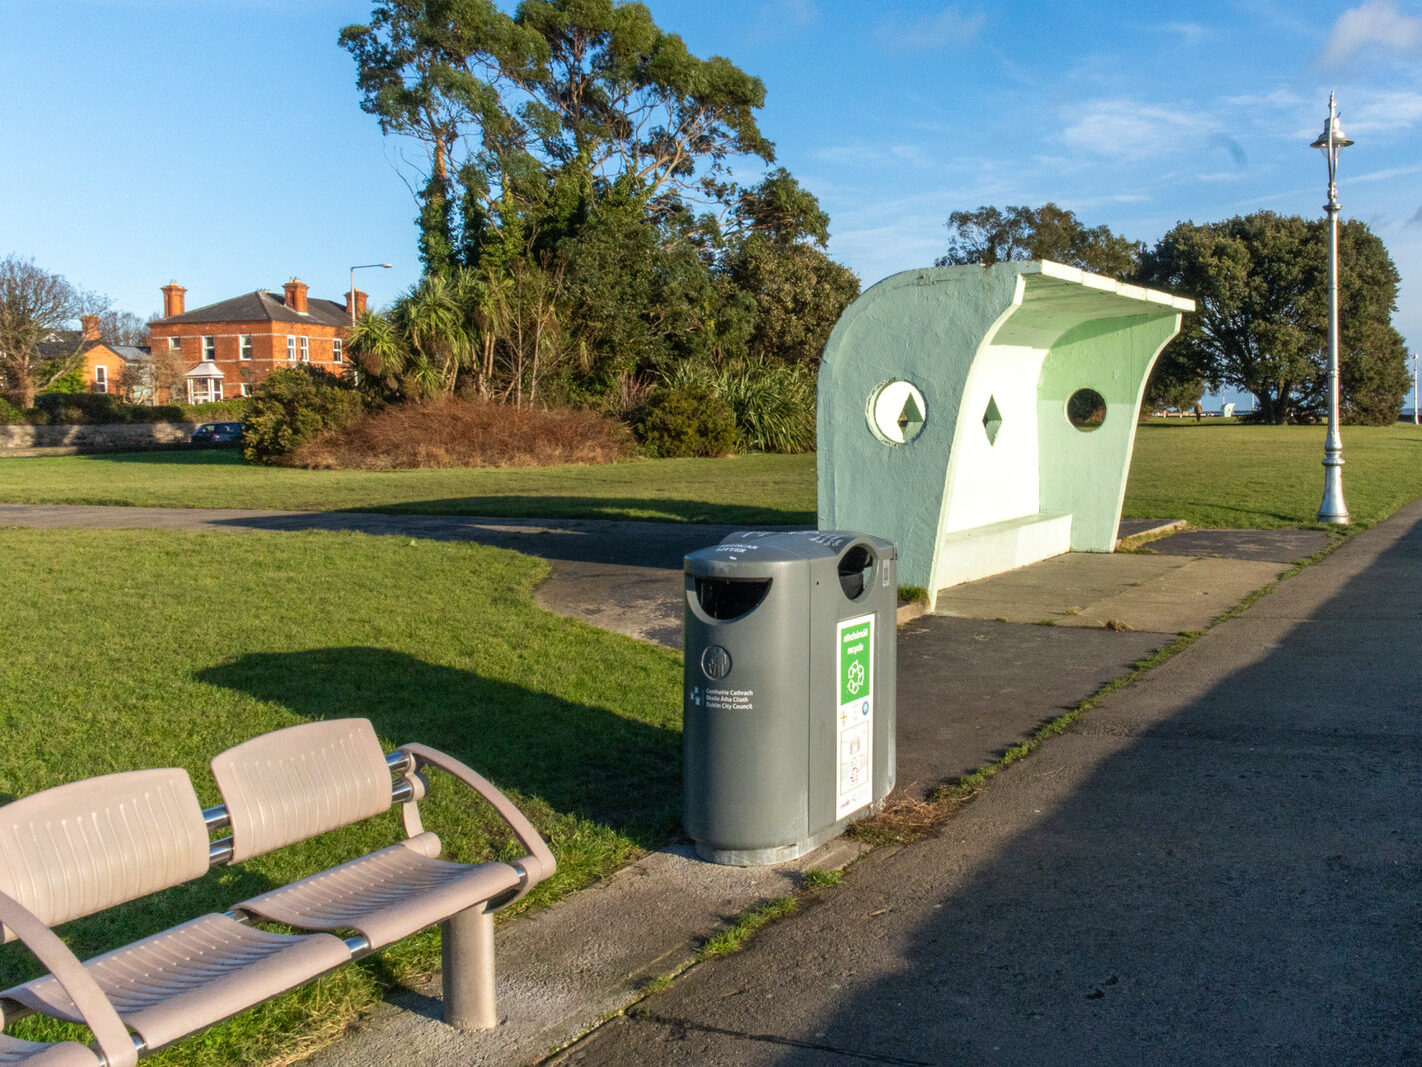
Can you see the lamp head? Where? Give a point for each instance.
(1332, 136)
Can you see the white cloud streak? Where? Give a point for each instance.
(1376, 25)
(947, 28)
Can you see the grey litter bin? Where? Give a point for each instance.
(789, 702)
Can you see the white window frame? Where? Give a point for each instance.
(209, 348)
(175, 344)
(244, 346)
(337, 355)
(246, 388)
(291, 348)
(210, 386)
(101, 379)
(305, 349)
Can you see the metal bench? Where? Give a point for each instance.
(80, 848)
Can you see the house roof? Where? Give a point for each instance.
(206, 369)
(263, 306)
(129, 353)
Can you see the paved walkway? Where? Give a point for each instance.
(1219, 864)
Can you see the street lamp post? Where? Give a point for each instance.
(1414, 389)
(350, 293)
(1333, 509)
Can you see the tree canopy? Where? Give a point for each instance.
(989, 235)
(35, 304)
(1260, 285)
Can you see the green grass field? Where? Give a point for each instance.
(755, 490)
(1214, 473)
(1222, 474)
(127, 649)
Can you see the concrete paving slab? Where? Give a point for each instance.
(1161, 594)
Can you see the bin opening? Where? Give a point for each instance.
(730, 598)
(855, 568)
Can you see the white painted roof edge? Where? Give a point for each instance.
(1049, 269)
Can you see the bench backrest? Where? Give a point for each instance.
(292, 784)
(86, 846)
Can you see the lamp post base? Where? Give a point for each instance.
(1333, 510)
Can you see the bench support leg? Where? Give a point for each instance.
(467, 953)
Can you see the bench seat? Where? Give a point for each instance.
(41, 1054)
(386, 895)
(185, 979)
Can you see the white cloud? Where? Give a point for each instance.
(1379, 112)
(1374, 25)
(801, 12)
(1189, 32)
(948, 27)
(1124, 129)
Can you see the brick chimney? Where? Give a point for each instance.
(89, 326)
(173, 299)
(296, 295)
(356, 297)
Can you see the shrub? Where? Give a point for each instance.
(9, 413)
(81, 409)
(773, 403)
(231, 410)
(467, 433)
(294, 405)
(688, 420)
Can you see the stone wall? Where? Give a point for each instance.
(114, 436)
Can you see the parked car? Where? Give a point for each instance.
(218, 433)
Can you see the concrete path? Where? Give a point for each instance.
(1219, 864)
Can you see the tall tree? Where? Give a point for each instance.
(989, 236)
(1260, 285)
(34, 304)
(537, 110)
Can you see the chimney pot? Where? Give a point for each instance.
(296, 295)
(173, 299)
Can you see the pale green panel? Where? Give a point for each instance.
(1083, 473)
(993, 475)
(923, 327)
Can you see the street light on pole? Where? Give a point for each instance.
(1414, 389)
(351, 291)
(1333, 509)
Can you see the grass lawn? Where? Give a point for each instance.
(127, 649)
(1213, 473)
(1219, 473)
(754, 490)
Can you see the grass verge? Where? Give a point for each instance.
(128, 649)
(753, 490)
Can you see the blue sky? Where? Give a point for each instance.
(221, 144)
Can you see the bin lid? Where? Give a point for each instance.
(769, 546)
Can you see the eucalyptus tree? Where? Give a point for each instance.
(989, 235)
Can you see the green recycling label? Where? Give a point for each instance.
(854, 732)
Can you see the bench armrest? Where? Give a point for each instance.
(112, 1036)
(539, 863)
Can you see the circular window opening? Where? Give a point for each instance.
(1086, 410)
(896, 412)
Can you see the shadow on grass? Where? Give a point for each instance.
(624, 508)
(578, 758)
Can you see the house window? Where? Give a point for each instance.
(244, 345)
(204, 390)
(101, 379)
(336, 353)
(305, 349)
(291, 347)
(246, 388)
(175, 344)
(209, 348)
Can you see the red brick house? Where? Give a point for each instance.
(109, 368)
(231, 346)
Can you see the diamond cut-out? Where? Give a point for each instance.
(910, 419)
(992, 421)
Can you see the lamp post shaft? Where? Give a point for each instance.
(1333, 509)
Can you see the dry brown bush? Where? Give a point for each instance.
(467, 433)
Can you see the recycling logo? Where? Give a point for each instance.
(855, 679)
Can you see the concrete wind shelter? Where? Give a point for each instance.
(982, 418)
